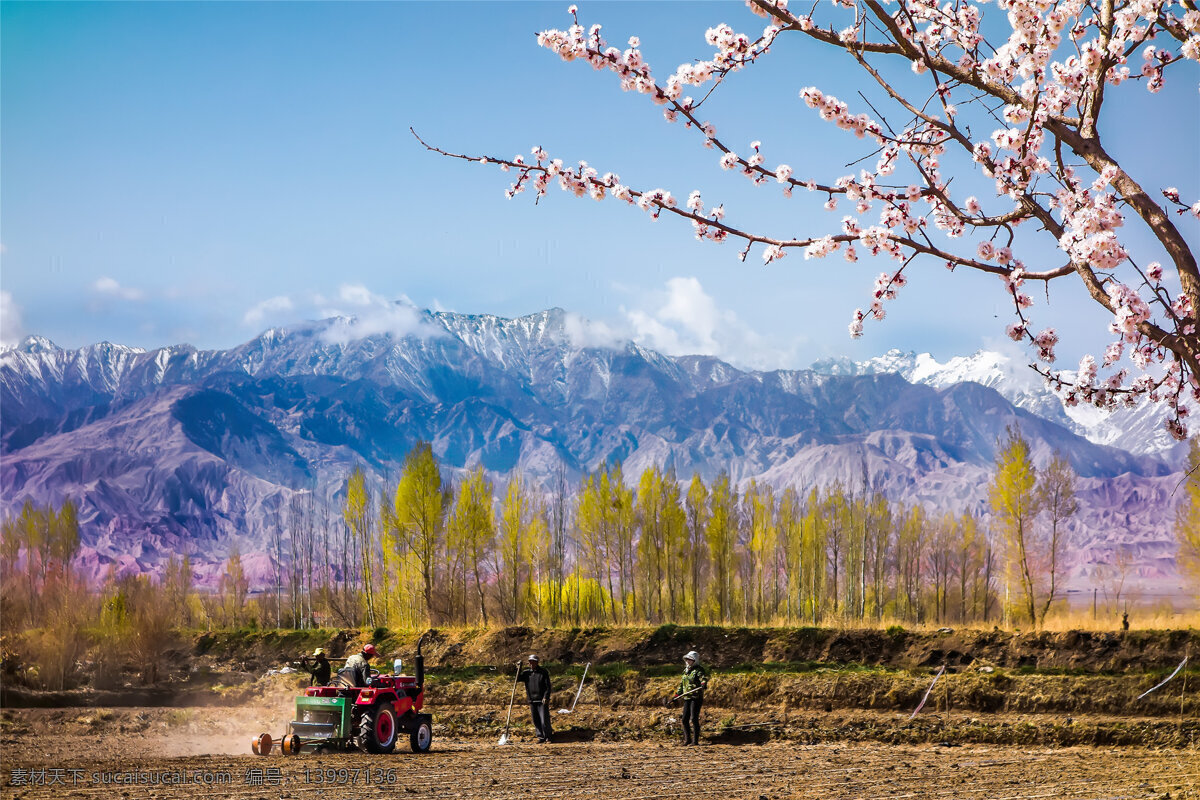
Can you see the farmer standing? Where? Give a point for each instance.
(691, 691)
(537, 687)
(319, 670)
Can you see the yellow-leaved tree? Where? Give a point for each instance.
(419, 517)
(472, 532)
(1187, 518)
(1015, 503)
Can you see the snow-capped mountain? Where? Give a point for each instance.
(177, 449)
(1138, 430)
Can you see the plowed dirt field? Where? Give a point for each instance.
(134, 753)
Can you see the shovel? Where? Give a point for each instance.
(685, 694)
(512, 697)
(577, 691)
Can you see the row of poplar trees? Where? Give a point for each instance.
(615, 551)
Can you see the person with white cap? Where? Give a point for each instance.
(691, 691)
(319, 670)
(537, 687)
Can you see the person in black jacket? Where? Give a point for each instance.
(691, 691)
(319, 670)
(537, 687)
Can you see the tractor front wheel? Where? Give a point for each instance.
(421, 738)
(377, 730)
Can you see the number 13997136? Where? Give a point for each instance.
(347, 776)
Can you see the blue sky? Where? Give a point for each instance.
(200, 171)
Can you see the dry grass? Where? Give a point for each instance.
(1139, 619)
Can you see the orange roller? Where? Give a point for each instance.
(262, 745)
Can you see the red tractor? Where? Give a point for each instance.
(369, 718)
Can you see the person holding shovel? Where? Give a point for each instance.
(319, 669)
(537, 687)
(691, 692)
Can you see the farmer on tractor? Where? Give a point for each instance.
(691, 691)
(357, 672)
(319, 670)
(537, 687)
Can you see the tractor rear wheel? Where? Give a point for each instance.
(377, 730)
(421, 738)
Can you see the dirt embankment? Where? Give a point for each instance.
(1081, 651)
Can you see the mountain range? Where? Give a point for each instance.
(184, 450)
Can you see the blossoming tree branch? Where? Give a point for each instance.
(1041, 92)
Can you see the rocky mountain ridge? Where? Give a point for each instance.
(183, 450)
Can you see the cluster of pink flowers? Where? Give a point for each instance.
(1045, 342)
(1047, 77)
(1129, 309)
(837, 112)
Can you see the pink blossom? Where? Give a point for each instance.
(1113, 353)
(856, 324)
(1045, 342)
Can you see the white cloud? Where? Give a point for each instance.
(271, 306)
(356, 295)
(11, 331)
(109, 286)
(688, 321)
(371, 315)
(583, 332)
